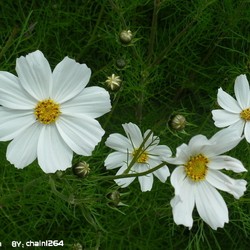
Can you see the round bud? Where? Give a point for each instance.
(178, 122)
(120, 63)
(81, 169)
(126, 36)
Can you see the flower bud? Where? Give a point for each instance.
(113, 82)
(178, 122)
(126, 36)
(114, 198)
(120, 63)
(81, 169)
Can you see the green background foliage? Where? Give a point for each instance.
(181, 53)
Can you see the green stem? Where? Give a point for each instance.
(134, 175)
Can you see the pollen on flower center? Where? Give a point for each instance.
(245, 114)
(47, 111)
(142, 157)
(196, 167)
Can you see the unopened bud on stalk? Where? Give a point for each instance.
(113, 82)
(126, 36)
(81, 169)
(178, 122)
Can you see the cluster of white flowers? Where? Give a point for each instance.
(48, 115)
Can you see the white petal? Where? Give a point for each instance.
(223, 141)
(35, 74)
(226, 162)
(146, 182)
(151, 142)
(182, 207)
(80, 133)
(162, 173)
(69, 79)
(197, 144)
(160, 152)
(133, 133)
(177, 179)
(210, 205)
(119, 143)
(92, 101)
(226, 183)
(223, 118)
(12, 94)
(227, 102)
(52, 152)
(241, 89)
(124, 182)
(23, 149)
(183, 154)
(115, 160)
(247, 131)
(13, 122)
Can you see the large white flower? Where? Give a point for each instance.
(50, 114)
(198, 175)
(150, 156)
(235, 113)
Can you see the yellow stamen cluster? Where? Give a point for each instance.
(245, 114)
(142, 157)
(196, 167)
(47, 111)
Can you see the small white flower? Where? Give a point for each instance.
(235, 113)
(50, 114)
(151, 155)
(198, 175)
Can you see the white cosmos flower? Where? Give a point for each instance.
(150, 156)
(198, 176)
(48, 115)
(234, 113)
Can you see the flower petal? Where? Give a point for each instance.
(92, 101)
(133, 133)
(197, 144)
(210, 205)
(226, 183)
(35, 75)
(162, 173)
(22, 150)
(81, 133)
(227, 102)
(120, 143)
(69, 79)
(160, 152)
(12, 94)
(13, 122)
(124, 182)
(183, 154)
(177, 179)
(146, 182)
(226, 162)
(52, 152)
(182, 207)
(223, 141)
(247, 131)
(115, 160)
(223, 118)
(151, 142)
(241, 89)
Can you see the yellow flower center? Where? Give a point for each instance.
(47, 111)
(245, 114)
(196, 167)
(142, 157)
